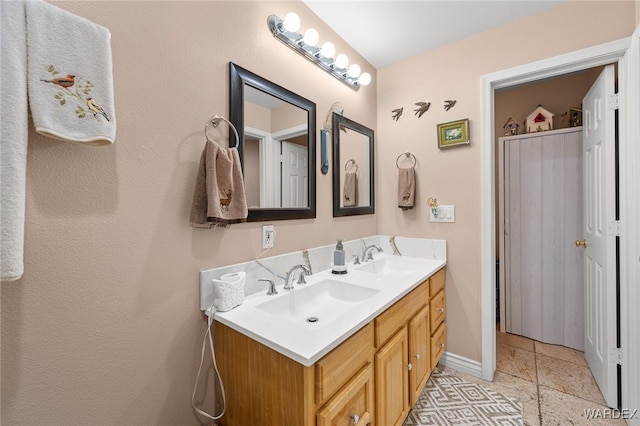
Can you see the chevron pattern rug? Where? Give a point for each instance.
(450, 400)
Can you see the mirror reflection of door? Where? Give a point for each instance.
(274, 176)
(295, 174)
(354, 155)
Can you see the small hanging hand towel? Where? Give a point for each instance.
(350, 192)
(219, 197)
(406, 187)
(69, 74)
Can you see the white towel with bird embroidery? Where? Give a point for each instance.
(70, 78)
(13, 138)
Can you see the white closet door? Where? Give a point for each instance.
(543, 205)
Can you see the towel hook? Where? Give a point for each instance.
(215, 122)
(408, 155)
(351, 161)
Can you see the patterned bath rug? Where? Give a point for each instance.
(451, 400)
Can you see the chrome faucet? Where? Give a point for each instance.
(272, 287)
(301, 280)
(367, 255)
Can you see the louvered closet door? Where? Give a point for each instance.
(543, 219)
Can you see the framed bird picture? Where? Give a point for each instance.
(453, 133)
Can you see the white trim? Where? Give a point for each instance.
(291, 132)
(461, 364)
(558, 65)
(629, 89)
(269, 194)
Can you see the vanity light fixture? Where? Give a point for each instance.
(286, 30)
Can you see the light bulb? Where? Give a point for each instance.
(328, 49)
(354, 71)
(365, 79)
(291, 22)
(342, 61)
(311, 37)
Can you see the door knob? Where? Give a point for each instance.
(582, 243)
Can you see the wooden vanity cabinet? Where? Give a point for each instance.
(403, 360)
(372, 378)
(438, 308)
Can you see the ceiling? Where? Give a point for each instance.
(387, 31)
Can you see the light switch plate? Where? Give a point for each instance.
(443, 214)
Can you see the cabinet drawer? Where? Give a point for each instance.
(438, 344)
(354, 404)
(391, 320)
(438, 308)
(436, 282)
(339, 365)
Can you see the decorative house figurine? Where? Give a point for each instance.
(510, 127)
(539, 120)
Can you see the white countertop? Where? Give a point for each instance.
(307, 342)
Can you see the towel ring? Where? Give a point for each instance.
(408, 155)
(351, 161)
(215, 122)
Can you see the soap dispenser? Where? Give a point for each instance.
(339, 265)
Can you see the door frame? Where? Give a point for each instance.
(606, 53)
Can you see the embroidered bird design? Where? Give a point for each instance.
(424, 107)
(449, 104)
(95, 108)
(397, 113)
(65, 82)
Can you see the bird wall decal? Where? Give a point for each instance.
(449, 104)
(397, 113)
(424, 107)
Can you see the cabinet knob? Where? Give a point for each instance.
(442, 345)
(441, 310)
(409, 366)
(355, 418)
(417, 356)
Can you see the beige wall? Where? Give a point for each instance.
(104, 327)
(453, 176)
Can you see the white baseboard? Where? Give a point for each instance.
(461, 364)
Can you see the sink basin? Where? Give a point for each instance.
(390, 265)
(318, 303)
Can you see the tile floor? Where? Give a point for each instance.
(553, 382)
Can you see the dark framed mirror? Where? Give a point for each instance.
(353, 186)
(277, 130)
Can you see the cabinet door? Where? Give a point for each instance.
(353, 405)
(392, 381)
(438, 344)
(438, 306)
(419, 337)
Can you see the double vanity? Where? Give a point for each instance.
(344, 349)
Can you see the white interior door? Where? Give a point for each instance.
(599, 216)
(295, 175)
(541, 205)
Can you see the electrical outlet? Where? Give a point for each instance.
(268, 236)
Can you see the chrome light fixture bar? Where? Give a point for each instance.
(286, 30)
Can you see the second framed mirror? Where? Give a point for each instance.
(353, 168)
